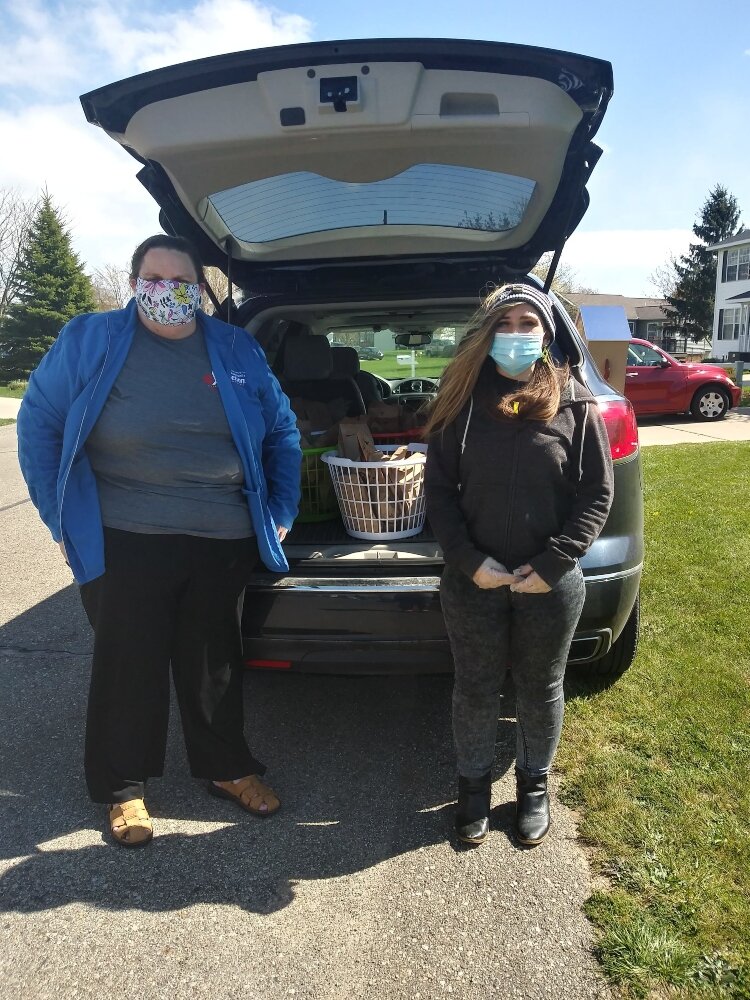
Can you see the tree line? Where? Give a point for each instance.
(43, 282)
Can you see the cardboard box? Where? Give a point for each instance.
(607, 335)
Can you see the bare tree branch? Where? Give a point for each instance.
(16, 216)
(219, 284)
(564, 282)
(111, 287)
(664, 277)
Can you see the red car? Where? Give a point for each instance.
(656, 383)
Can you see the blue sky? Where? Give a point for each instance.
(676, 126)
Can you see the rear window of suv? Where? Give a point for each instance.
(427, 194)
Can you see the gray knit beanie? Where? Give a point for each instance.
(510, 295)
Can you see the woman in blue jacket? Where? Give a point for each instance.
(163, 456)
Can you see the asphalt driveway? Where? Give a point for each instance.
(354, 890)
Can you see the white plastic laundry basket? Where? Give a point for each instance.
(380, 501)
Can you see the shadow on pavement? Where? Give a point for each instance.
(364, 767)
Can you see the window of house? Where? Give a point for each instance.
(654, 330)
(729, 328)
(631, 324)
(737, 264)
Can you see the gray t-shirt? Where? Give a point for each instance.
(162, 450)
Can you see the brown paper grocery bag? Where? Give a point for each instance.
(409, 481)
(353, 438)
(358, 494)
(384, 418)
(372, 454)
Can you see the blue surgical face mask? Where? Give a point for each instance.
(515, 352)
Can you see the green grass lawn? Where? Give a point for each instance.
(7, 393)
(388, 367)
(4, 421)
(659, 763)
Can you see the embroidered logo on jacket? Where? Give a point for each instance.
(239, 377)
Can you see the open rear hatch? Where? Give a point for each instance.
(321, 169)
(341, 153)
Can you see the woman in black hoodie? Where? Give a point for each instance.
(519, 484)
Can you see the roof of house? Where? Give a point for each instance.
(743, 236)
(635, 308)
(741, 297)
(651, 312)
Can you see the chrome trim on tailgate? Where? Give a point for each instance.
(399, 583)
(618, 575)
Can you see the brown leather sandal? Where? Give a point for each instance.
(130, 823)
(250, 793)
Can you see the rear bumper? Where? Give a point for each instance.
(393, 625)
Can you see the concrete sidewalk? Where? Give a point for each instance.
(685, 430)
(9, 408)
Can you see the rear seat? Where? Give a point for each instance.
(307, 370)
(346, 363)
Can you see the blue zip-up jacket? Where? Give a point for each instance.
(66, 395)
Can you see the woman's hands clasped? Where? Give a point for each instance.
(524, 580)
(530, 582)
(493, 574)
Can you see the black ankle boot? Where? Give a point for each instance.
(473, 811)
(532, 807)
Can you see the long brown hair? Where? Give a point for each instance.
(539, 399)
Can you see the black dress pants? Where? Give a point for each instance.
(166, 599)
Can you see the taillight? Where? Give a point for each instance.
(622, 430)
(268, 664)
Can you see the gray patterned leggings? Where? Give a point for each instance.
(491, 631)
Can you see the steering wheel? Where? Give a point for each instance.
(415, 385)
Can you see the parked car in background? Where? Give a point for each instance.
(369, 354)
(383, 184)
(439, 349)
(656, 383)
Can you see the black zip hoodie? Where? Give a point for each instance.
(521, 491)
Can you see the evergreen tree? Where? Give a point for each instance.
(692, 302)
(52, 288)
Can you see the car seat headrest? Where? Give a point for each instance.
(345, 361)
(307, 356)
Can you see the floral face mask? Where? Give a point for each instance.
(169, 303)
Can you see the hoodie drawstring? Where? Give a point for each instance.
(468, 421)
(583, 438)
